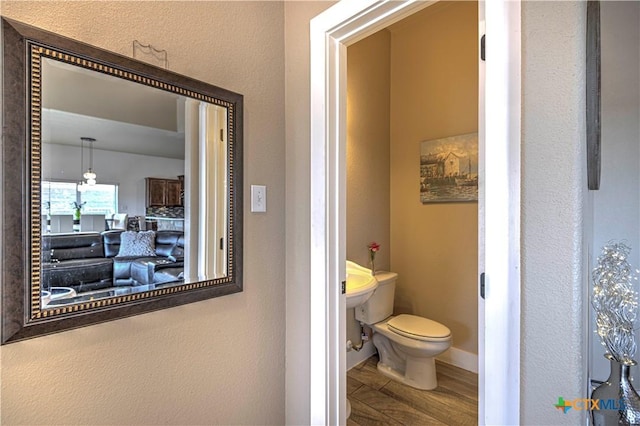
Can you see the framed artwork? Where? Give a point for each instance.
(449, 169)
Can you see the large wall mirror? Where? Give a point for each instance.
(121, 186)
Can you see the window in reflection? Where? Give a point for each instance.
(58, 200)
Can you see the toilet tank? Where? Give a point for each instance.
(380, 304)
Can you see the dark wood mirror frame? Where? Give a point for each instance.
(22, 316)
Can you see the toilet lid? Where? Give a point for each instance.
(418, 328)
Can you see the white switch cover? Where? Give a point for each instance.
(258, 198)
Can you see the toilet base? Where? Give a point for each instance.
(420, 373)
(414, 366)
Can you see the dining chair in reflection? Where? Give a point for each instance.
(119, 221)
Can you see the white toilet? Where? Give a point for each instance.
(407, 344)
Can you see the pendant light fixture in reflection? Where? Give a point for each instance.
(89, 175)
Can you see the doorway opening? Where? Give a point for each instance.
(331, 32)
(411, 184)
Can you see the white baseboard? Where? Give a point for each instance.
(465, 360)
(354, 358)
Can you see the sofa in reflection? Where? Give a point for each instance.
(168, 253)
(93, 261)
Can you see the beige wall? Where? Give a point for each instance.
(219, 361)
(434, 94)
(404, 80)
(368, 167)
(368, 88)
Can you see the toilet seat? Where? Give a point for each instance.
(418, 328)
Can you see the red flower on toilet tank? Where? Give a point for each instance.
(373, 249)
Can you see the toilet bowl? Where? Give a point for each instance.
(407, 354)
(407, 344)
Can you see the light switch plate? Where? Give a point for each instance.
(258, 198)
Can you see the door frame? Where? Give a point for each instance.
(499, 203)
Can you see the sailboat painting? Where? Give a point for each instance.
(449, 169)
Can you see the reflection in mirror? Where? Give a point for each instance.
(120, 157)
(131, 192)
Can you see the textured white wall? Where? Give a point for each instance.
(553, 191)
(219, 361)
(617, 202)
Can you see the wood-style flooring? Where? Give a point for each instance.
(378, 400)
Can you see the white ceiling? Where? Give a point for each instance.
(119, 114)
(65, 128)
